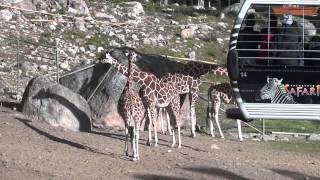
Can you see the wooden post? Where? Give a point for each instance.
(18, 48)
(263, 127)
(57, 59)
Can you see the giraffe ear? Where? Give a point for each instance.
(268, 79)
(280, 81)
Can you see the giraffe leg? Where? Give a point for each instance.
(173, 138)
(239, 130)
(149, 128)
(193, 121)
(193, 99)
(126, 142)
(168, 123)
(211, 124)
(216, 116)
(137, 141)
(161, 119)
(179, 137)
(153, 112)
(133, 140)
(219, 128)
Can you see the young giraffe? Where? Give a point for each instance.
(156, 94)
(187, 81)
(132, 111)
(217, 92)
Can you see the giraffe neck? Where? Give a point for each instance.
(129, 82)
(135, 75)
(225, 97)
(198, 69)
(223, 87)
(224, 91)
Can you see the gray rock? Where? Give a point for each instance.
(147, 41)
(104, 16)
(56, 105)
(80, 24)
(132, 9)
(104, 101)
(2, 88)
(26, 66)
(11, 1)
(43, 67)
(314, 137)
(78, 7)
(92, 47)
(65, 66)
(6, 15)
(192, 55)
(100, 49)
(268, 138)
(114, 43)
(25, 4)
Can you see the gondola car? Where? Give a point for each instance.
(274, 60)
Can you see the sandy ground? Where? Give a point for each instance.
(34, 150)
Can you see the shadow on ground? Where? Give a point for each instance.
(294, 175)
(216, 172)
(60, 140)
(157, 177)
(9, 105)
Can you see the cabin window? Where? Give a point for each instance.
(280, 35)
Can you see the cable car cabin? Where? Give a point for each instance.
(274, 60)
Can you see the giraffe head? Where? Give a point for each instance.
(109, 59)
(132, 56)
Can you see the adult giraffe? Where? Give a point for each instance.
(156, 94)
(187, 81)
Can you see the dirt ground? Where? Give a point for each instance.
(34, 150)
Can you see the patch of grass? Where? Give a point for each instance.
(300, 146)
(159, 50)
(73, 34)
(152, 9)
(293, 126)
(98, 40)
(110, 1)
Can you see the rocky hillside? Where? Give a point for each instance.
(37, 35)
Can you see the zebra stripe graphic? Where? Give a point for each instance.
(274, 90)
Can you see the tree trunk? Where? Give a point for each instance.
(201, 3)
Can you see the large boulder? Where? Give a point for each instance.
(55, 104)
(102, 86)
(6, 15)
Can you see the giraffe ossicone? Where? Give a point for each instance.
(108, 59)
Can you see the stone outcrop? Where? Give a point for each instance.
(103, 100)
(55, 104)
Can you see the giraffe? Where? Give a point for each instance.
(132, 111)
(156, 94)
(216, 94)
(187, 81)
